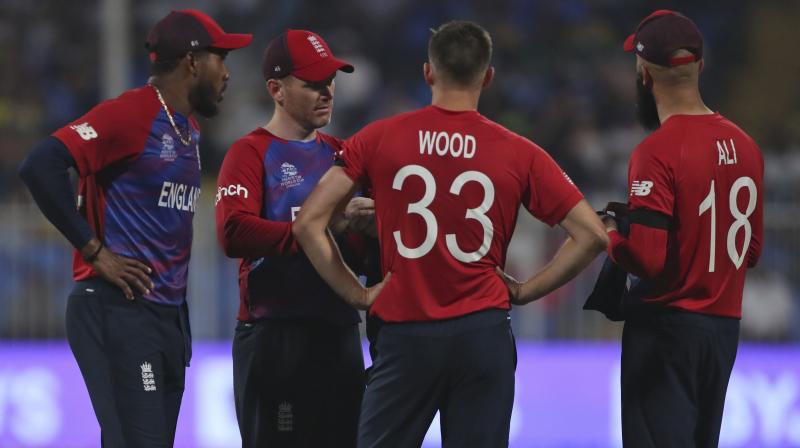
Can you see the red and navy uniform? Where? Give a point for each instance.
(139, 186)
(262, 184)
(705, 176)
(453, 215)
(297, 347)
(447, 188)
(695, 206)
(138, 190)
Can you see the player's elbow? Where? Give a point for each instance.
(227, 236)
(230, 249)
(27, 171)
(301, 229)
(596, 241)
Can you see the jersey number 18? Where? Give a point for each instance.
(740, 220)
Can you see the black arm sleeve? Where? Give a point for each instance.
(45, 173)
(650, 218)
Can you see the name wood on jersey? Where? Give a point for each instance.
(441, 144)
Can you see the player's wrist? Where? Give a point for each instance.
(91, 250)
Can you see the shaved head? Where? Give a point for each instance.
(679, 75)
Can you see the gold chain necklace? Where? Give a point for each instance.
(185, 141)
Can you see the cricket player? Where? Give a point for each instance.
(297, 361)
(137, 157)
(696, 226)
(448, 184)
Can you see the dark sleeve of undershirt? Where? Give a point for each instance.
(644, 251)
(45, 173)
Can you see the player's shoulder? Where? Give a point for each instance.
(330, 140)
(392, 122)
(133, 108)
(662, 142)
(502, 137)
(256, 141)
(128, 114)
(738, 130)
(375, 131)
(140, 100)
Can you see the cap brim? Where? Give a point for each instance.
(322, 70)
(628, 45)
(232, 41)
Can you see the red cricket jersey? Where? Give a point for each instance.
(706, 174)
(447, 189)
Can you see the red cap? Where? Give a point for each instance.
(302, 54)
(661, 34)
(190, 30)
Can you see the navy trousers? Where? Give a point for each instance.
(133, 357)
(675, 371)
(462, 367)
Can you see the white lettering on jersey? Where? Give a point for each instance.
(641, 187)
(442, 143)
(178, 196)
(84, 130)
(168, 152)
(725, 154)
(290, 177)
(230, 190)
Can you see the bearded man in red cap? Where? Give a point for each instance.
(138, 161)
(696, 226)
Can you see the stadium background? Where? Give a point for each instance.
(562, 80)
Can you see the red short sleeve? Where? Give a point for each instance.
(551, 193)
(357, 151)
(650, 182)
(111, 132)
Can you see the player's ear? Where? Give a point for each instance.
(700, 68)
(646, 77)
(488, 77)
(427, 73)
(275, 89)
(192, 62)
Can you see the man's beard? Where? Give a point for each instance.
(203, 99)
(646, 110)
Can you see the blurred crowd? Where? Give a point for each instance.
(562, 80)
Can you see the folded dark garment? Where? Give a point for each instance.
(616, 291)
(611, 284)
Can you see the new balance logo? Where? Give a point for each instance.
(84, 130)
(148, 377)
(641, 187)
(640, 47)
